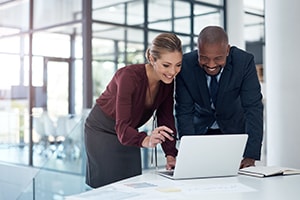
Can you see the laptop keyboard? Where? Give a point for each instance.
(169, 172)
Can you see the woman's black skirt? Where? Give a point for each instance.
(107, 159)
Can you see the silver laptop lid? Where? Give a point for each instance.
(201, 156)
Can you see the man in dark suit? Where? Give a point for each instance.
(237, 107)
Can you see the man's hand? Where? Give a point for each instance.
(247, 162)
(171, 161)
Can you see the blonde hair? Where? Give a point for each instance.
(164, 42)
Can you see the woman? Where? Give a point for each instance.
(112, 138)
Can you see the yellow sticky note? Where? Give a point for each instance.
(169, 189)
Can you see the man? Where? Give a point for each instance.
(237, 105)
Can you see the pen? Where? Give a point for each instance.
(173, 136)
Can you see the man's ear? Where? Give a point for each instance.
(228, 49)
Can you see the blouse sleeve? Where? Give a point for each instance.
(126, 87)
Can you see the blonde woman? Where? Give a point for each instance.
(112, 138)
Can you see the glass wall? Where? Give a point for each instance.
(255, 32)
(254, 20)
(41, 57)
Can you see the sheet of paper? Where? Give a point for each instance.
(111, 193)
(160, 189)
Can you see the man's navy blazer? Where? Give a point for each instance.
(239, 107)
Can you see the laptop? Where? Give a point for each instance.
(204, 156)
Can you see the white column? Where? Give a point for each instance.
(282, 75)
(235, 23)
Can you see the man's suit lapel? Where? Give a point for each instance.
(223, 82)
(202, 81)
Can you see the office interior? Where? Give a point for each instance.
(57, 57)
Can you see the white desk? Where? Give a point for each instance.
(152, 186)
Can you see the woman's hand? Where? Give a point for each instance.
(158, 136)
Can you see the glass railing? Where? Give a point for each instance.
(63, 172)
(60, 145)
